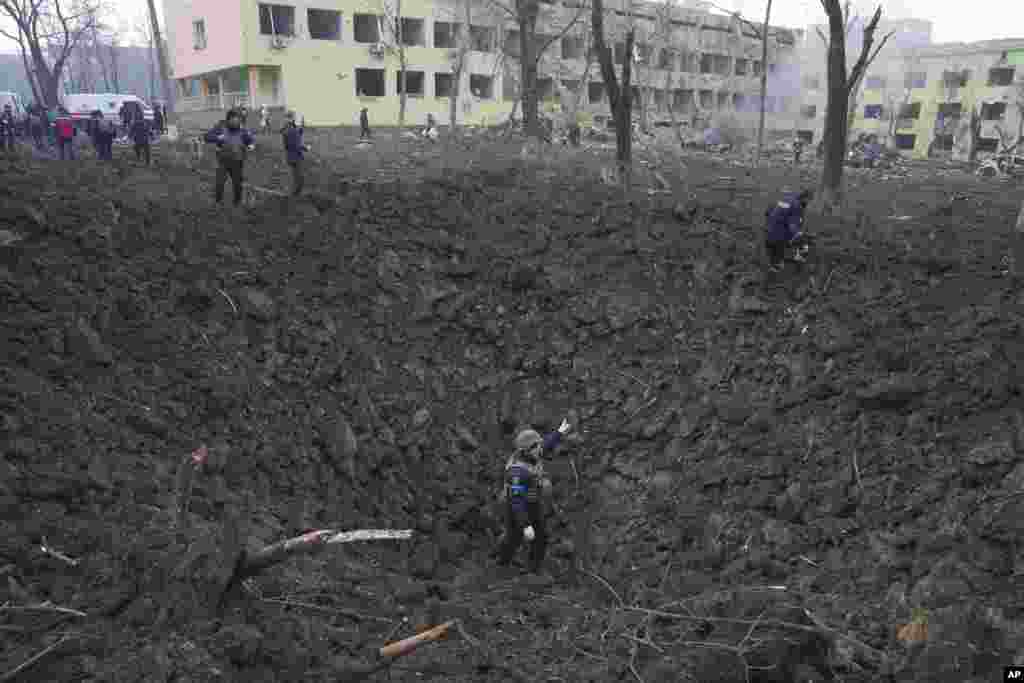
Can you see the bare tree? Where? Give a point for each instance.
(840, 83)
(392, 35)
(49, 31)
(620, 97)
(526, 13)
(161, 53)
(459, 58)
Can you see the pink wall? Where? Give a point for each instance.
(224, 39)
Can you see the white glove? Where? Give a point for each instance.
(564, 428)
(529, 534)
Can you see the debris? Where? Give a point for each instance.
(404, 647)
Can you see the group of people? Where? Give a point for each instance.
(234, 141)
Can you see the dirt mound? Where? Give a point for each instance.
(769, 477)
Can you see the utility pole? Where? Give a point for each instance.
(165, 74)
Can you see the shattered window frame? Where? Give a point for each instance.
(379, 78)
(272, 26)
(482, 87)
(410, 80)
(900, 141)
(995, 82)
(448, 79)
(360, 22)
(874, 111)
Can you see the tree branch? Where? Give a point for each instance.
(865, 50)
(560, 35)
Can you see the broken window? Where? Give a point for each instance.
(444, 85)
(667, 59)
(660, 99)
(910, 111)
(366, 28)
(682, 100)
(916, 79)
(199, 34)
(955, 79)
(573, 47)
(413, 82)
(757, 68)
(277, 20)
(511, 43)
(482, 38)
(811, 82)
(874, 83)
(722, 65)
(446, 34)
(481, 86)
(545, 88)
(595, 92)
(944, 143)
(904, 141)
(739, 101)
(1000, 77)
(993, 111)
(809, 111)
(411, 30)
(571, 86)
(741, 67)
(987, 144)
(806, 136)
(951, 110)
(707, 64)
(707, 99)
(324, 24)
(370, 83)
(873, 111)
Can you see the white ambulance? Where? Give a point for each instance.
(82, 105)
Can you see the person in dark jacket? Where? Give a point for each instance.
(104, 132)
(233, 142)
(158, 119)
(295, 151)
(141, 134)
(364, 124)
(525, 495)
(7, 126)
(36, 127)
(785, 225)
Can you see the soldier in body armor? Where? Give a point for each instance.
(233, 143)
(526, 495)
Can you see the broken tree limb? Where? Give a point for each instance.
(407, 645)
(250, 564)
(312, 543)
(13, 673)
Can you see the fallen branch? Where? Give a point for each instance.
(225, 295)
(251, 564)
(13, 673)
(407, 645)
(47, 550)
(42, 607)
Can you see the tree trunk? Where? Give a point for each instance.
(527, 21)
(403, 94)
(457, 69)
(835, 115)
(33, 82)
(114, 74)
(165, 72)
(764, 82)
(1020, 219)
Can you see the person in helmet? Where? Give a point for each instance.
(233, 143)
(525, 495)
(785, 225)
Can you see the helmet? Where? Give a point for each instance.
(529, 442)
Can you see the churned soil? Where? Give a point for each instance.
(771, 476)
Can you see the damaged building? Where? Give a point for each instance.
(924, 99)
(329, 59)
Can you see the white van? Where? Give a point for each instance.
(82, 105)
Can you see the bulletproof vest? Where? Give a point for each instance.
(518, 482)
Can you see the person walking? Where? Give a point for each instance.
(295, 151)
(233, 142)
(364, 124)
(158, 119)
(141, 135)
(65, 129)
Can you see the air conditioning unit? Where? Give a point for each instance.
(377, 49)
(278, 42)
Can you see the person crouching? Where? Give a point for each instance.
(785, 227)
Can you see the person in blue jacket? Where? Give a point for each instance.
(525, 495)
(295, 151)
(785, 226)
(233, 143)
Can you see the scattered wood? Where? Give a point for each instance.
(407, 645)
(42, 607)
(31, 661)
